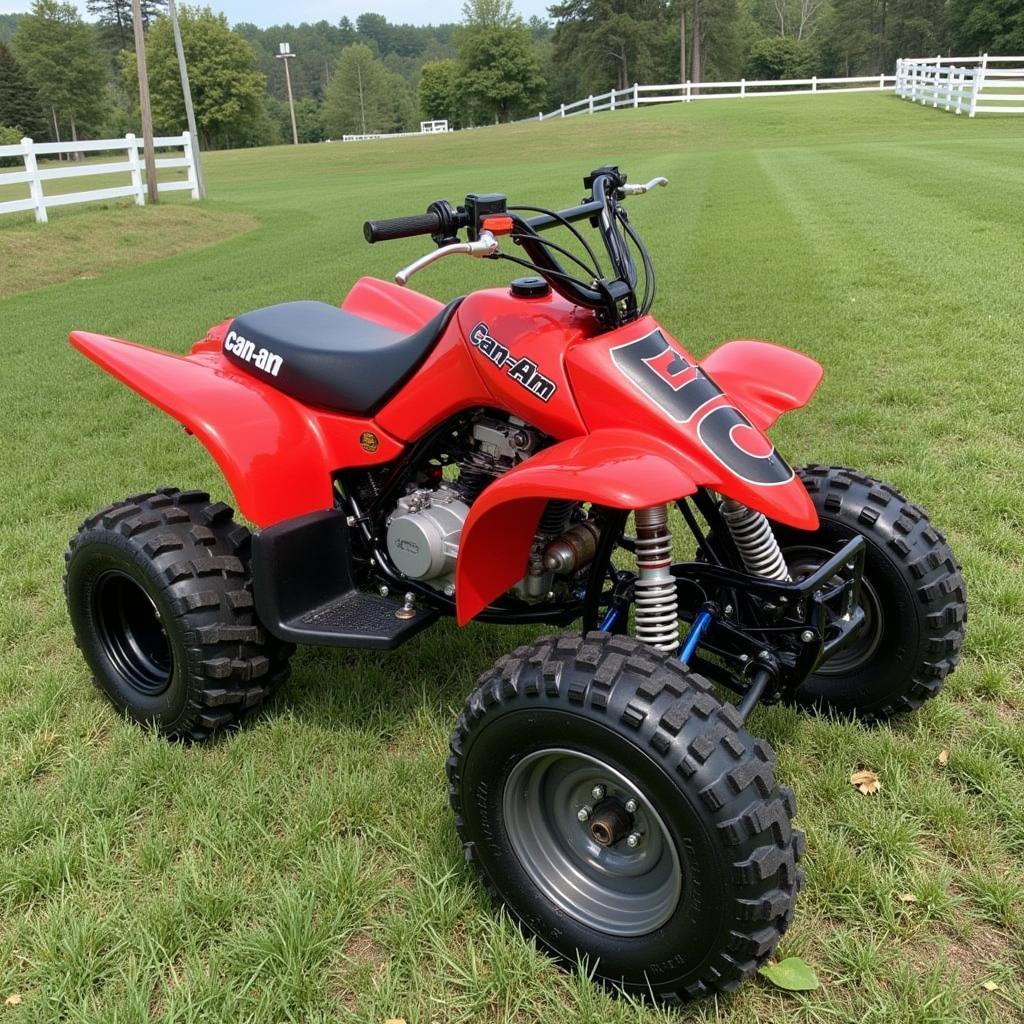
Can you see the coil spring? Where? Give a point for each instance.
(555, 520)
(755, 540)
(657, 607)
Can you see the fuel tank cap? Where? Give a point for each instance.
(530, 287)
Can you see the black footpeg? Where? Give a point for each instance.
(304, 593)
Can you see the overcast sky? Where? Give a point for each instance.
(269, 12)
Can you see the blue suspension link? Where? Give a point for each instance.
(610, 618)
(693, 638)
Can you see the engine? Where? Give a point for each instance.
(424, 529)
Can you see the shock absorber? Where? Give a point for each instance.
(657, 607)
(755, 540)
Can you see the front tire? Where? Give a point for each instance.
(703, 896)
(160, 600)
(913, 597)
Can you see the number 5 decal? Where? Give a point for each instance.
(682, 390)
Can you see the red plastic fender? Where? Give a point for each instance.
(764, 380)
(276, 454)
(617, 468)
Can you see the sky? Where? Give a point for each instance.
(271, 12)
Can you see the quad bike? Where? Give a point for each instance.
(405, 460)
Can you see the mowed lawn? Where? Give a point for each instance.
(306, 869)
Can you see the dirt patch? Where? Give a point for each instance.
(362, 961)
(89, 243)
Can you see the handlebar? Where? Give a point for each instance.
(613, 297)
(401, 227)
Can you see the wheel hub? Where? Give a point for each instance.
(613, 869)
(131, 633)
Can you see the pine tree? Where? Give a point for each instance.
(114, 20)
(19, 103)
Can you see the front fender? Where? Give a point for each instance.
(623, 469)
(276, 454)
(763, 379)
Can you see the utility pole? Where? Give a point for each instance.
(144, 108)
(285, 53)
(186, 92)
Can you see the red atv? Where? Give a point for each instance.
(404, 460)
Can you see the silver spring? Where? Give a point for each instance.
(657, 607)
(755, 540)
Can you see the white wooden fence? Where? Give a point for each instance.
(977, 85)
(637, 95)
(35, 176)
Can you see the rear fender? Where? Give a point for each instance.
(622, 469)
(277, 455)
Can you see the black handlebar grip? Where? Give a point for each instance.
(401, 227)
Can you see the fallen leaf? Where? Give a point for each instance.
(990, 986)
(866, 782)
(395, 1020)
(907, 897)
(791, 974)
(943, 758)
(13, 1000)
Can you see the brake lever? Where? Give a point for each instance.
(639, 190)
(485, 245)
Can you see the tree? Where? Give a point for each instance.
(438, 94)
(617, 42)
(779, 57)
(986, 26)
(20, 106)
(364, 97)
(59, 55)
(499, 67)
(114, 20)
(227, 87)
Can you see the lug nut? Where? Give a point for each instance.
(583, 814)
(598, 792)
(633, 840)
(631, 805)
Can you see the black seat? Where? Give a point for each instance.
(324, 356)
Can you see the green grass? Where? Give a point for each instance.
(307, 868)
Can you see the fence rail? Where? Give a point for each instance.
(977, 85)
(685, 92)
(34, 177)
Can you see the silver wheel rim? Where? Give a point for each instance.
(805, 560)
(616, 889)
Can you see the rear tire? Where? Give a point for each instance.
(160, 599)
(563, 713)
(913, 596)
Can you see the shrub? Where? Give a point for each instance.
(781, 57)
(9, 137)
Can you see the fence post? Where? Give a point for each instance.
(131, 144)
(636, 95)
(688, 94)
(611, 105)
(563, 110)
(978, 74)
(814, 83)
(190, 156)
(743, 87)
(540, 115)
(590, 103)
(35, 186)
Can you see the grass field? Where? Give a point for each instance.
(307, 869)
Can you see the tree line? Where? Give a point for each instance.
(65, 77)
